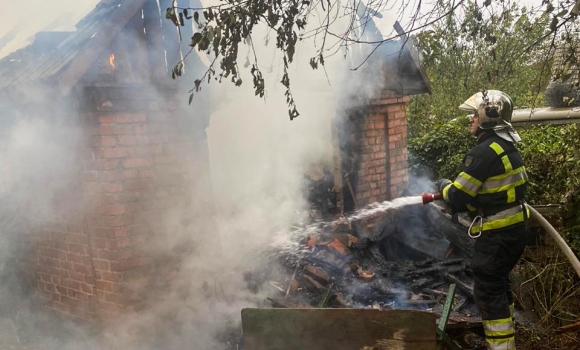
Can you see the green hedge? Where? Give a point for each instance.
(551, 155)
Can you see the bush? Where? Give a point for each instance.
(439, 152)
(551, 155)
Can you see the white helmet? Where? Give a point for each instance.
(494, 112)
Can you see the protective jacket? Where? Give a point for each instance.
(491, 186)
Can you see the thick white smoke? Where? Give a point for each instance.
(257, 157)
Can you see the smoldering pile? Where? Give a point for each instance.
(404, 258)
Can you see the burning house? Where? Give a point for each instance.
(137, 152)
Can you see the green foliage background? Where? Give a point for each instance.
(474, 51)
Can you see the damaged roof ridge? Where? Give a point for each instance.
(72, 57)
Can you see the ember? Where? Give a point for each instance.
(112, 61)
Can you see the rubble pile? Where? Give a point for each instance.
(374, 263)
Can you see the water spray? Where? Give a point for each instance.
(430, 197)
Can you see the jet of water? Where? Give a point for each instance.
(285, 242)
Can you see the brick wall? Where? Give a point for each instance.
(110, 255)
(376, 148)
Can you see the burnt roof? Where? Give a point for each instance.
(52, 57)
(410, 78)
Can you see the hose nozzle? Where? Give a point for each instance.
(430, 197)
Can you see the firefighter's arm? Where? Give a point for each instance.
(463, 190)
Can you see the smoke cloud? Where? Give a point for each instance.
(257, 161)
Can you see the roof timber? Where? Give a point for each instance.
(66, 64)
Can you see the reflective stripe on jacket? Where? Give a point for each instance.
(492, 183)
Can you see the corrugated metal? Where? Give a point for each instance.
(26, 65)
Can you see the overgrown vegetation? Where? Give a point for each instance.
(465, 55)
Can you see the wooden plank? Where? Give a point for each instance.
(154, 40)
(139, 59)
(337, 329)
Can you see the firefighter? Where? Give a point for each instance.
(491, 187)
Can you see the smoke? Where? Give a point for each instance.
(38, 151)
(32, 16)
(257, 161)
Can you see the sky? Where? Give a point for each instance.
(20, 20)
(19, 23)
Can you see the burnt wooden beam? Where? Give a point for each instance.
(170, 35)
(139, 56)
(154, 40)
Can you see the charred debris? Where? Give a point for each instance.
(404, 258)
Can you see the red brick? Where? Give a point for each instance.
(50, 287)
(136, 184)
(71, 301)
(74, 285)
(115, 152)
(82, 297)
(117, 221)
(67, 265)
(106, 119)
(101, 264)
(104, 286)
(116, 175)
(102, 164)
(136, 163)
(146, 173)
(74, 258)
(111, 276)
(397, 122)
(87, 288)
(104, 141)
(141, 129)
(130, 118)
(74, 228)
(123, 129)
(129, 264)
(106, 129)
(396, 137)
(109, 232)
(128, 197)
(87, 270)
(109, 210)
(112, 187)
(77, 248)
(131, 140)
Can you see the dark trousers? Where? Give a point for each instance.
(496, 254)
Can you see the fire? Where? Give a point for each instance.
(112, 61)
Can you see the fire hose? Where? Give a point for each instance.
(556, 237)
(430, 197)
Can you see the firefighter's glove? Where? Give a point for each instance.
(441, 184)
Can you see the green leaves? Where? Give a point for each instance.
(222, 28)
(195, 39)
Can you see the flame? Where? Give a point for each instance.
(112, 61)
